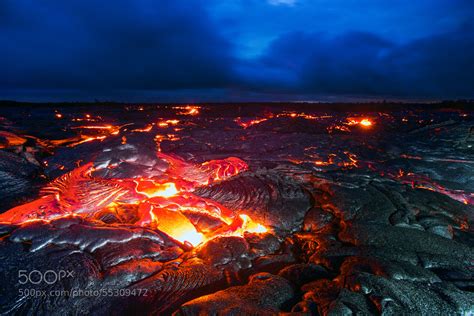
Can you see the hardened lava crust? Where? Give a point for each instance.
(236, 209)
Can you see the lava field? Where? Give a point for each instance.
(239, 209)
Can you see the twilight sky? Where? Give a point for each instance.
(236, 50)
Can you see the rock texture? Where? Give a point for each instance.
(361, 220)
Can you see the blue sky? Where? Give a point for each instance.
(236, 50)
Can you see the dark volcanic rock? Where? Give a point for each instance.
(415, 297)
(18, 179)
(230, 251)
(173, 285)
(263, 295)
(268, 197)
(359, 220)
(98, 258)
(301, 273)
(406, 239)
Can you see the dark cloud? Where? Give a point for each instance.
(361, 63)
(86, 44)
(440, 65)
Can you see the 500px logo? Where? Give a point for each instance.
(48, 276)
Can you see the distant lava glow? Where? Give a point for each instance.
(366, 123)
(189, 110)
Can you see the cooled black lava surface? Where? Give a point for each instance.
(363, 220)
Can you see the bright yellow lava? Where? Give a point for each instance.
(177, 226)
(250, 226)
(167, 189)
(366, 122)
(193, 237)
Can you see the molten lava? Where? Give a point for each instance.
(152, 189)
(248, 123)
(9, 139)
(364, 122)
(250, 226)
(189, 110)
(165, 203)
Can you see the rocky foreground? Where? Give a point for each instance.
(365, 212)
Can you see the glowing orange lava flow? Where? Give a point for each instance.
(188, 110)
(423, 182)
(152, 189)
(365, 122)
(250, 226)
(248, 123)
(165, 203)
(10, 139)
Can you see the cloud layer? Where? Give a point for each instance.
(120, 45)
(360, 63)
(144, 49)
